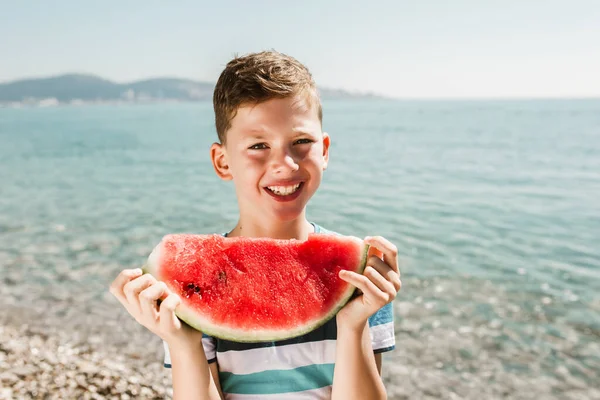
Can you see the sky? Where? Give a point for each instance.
(404, 49)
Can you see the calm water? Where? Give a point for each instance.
(495, 207)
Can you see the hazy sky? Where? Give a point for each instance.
(420, 48)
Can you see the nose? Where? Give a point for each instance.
(284, 161)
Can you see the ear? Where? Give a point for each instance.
(326, 143)
(219, 161)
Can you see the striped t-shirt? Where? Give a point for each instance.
(297, 368)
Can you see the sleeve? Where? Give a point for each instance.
(381, 329)
(210, 349)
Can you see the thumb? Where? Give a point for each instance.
(167, 311)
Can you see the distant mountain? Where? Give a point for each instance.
(73, 87)
(89, 88)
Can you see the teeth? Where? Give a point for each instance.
(283, 190)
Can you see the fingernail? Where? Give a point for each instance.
(138, 271)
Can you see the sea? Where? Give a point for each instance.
(494, 206)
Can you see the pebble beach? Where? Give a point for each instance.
(107, 355)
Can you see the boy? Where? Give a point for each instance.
(268, 118)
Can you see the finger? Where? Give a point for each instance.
(149, 298)
(382, 284)
(116, 287)
(362, 282)
(168, 319)
(389, 250)
(384, 269)
(133, 289)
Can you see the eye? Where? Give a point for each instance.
(258, 146)
(303, 141)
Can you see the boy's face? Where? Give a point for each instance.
(276, 153)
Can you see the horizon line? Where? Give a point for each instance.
(350, 91)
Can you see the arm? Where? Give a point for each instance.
(356, 373)
(379, 362)
(193, 377)
(357, 369)
(139, 294)
(214, 374)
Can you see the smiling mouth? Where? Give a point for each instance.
(284, 190)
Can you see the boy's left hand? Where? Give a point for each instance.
(379, 283)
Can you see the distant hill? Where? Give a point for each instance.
(89, 88)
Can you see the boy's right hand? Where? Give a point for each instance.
(139, 294)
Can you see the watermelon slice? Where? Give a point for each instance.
(257, 289)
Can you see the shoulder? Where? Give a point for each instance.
(321, 230)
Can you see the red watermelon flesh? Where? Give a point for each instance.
(257, 289)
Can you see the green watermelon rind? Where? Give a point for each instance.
(191, 317)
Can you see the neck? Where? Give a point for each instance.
(294, 229)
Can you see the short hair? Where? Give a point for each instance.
(256, 78)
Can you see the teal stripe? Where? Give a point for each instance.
(328, 331)
(278, 381)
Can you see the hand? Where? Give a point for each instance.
(139, 294)
(379, 283)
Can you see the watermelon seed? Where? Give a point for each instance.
(192, 288)
(222, 276)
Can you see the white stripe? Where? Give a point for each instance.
(278, 357)
(209, 348)
(313, 394)
(382, 336)
(167, 353)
